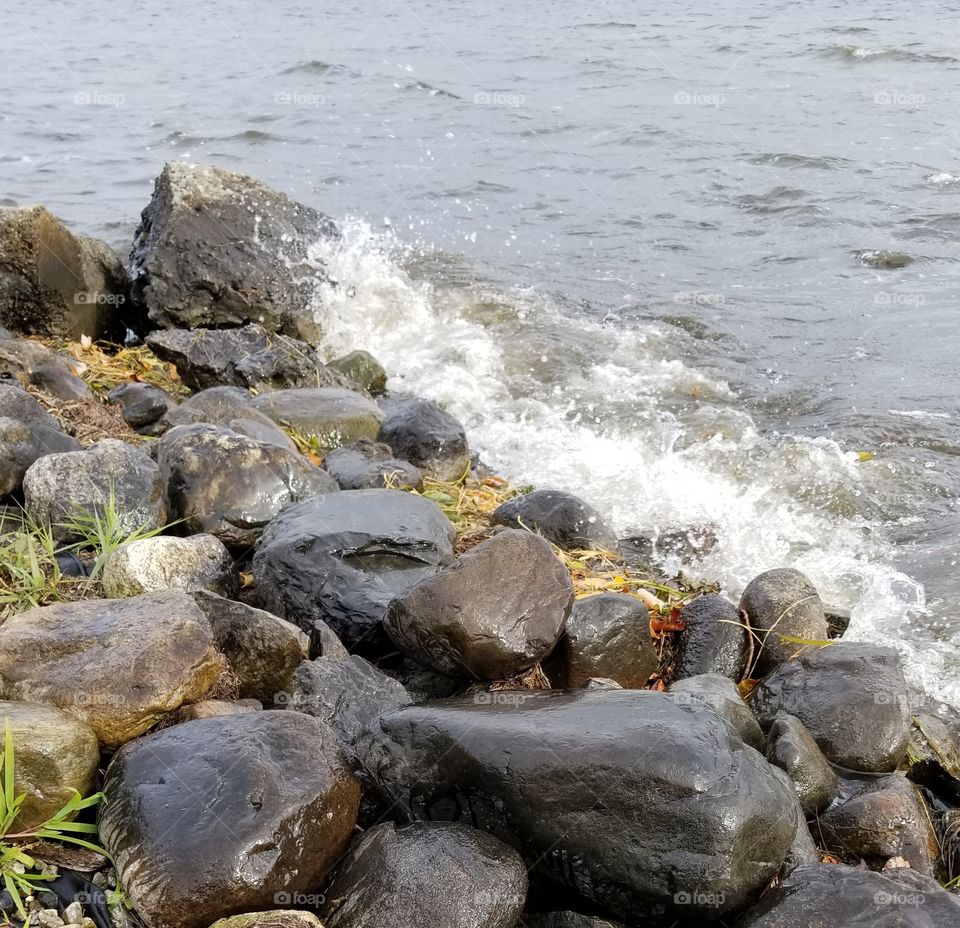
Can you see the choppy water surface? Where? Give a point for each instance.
(690, 262)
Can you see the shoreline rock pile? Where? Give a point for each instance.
(311, 701)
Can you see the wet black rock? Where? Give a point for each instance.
(831, 896)
(53, 282)
(369, 464)
(713, 639)
(231, 486)
(343, 557)
(934, 755)
(780, 605)
(427, 875)
(27, 432)
(792, 748)
(562, 518)
(495, 613)
(218, 816)
(143, 406)
(329, 415)
(362, 368)
(567, 920)
(61, 487)
(420, 432)
(851, 697)
(625, 796)
(219, 249)
(248, 357)
(29, 363)
(720, 694)
(607, 635)
(264, 650)
(885, 818)
(230, 407)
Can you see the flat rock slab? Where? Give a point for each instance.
(498, 610)
(621, 795)
(219, 816)
(120, 665)
(427, 875)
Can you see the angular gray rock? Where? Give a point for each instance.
(220, 816)
(249, 357)
(781, 605)
(562, 518)
(341, 558)
(427, 875)
(831, 895)
(53, 282)
(420, 432)
(886, 818)
(720, 694)
(362, 368)
(60, 488)
(607, 635)
(330, 415)
(231, 486)
(851, 697)
(30, 363)
(367, 464)
(121, 665)
(624, 796)
(218, 249)
(497, 611)
(792, 748)
(263, 650)
(149, 565)
(713, 639)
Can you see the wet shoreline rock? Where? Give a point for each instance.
(562, 518)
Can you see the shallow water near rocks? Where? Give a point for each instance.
(697, 264)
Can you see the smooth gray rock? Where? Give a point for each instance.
(803, 851)
(427, 875)
(232, 486)
(851, 697)
(59, 488)
(420, 432)
(497, 611)
(562, 518)
(792, 748)
(713, 639)
(368, 464)
(343, 557)
(143, 406)
(362, 368)
(624, 796)
(218, 249)
(720, 694)
(780, 605)
(218, 816)
(30, 363)
(607, 635)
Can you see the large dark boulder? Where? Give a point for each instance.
(792, 748)
(370, 464)
(495, 613)
(562, 518)
(27, 432)
(217, 249)
(53, 282)
(219, 816)
(885, 818)
(607, 635)
(851, 697)
(248, 357)
(231, 486)
(642, 805)
(341, 559)
(834, 896)
(420, 432)
(784, 610)
(713, 640)
(427, 875)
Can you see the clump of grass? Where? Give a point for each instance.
(21, 872)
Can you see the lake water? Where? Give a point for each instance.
(698, 264)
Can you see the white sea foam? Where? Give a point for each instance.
(603, 430)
